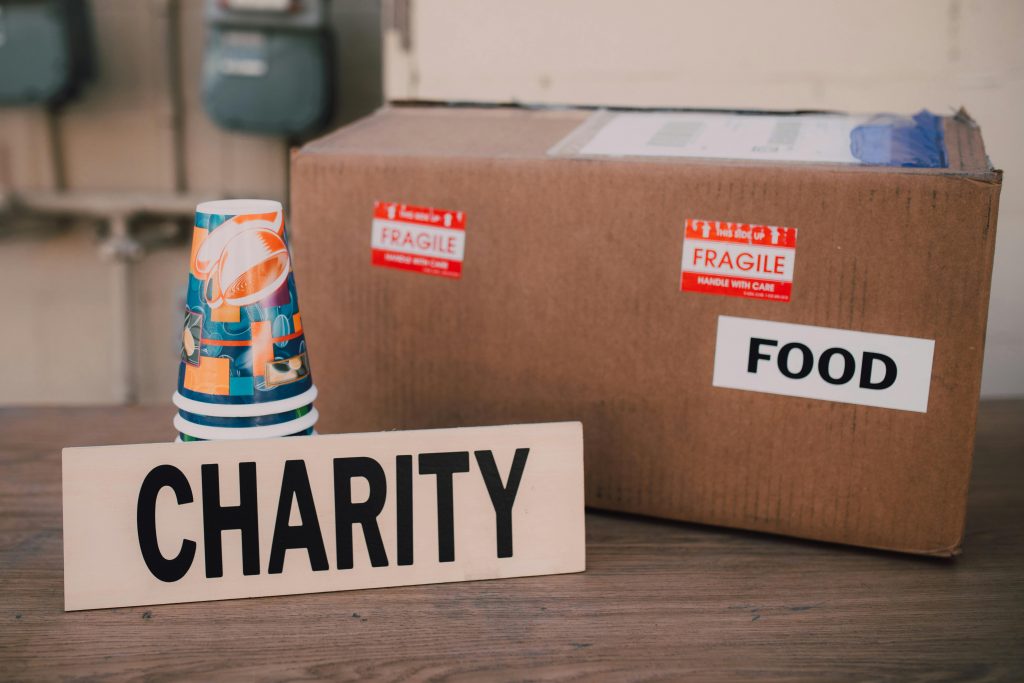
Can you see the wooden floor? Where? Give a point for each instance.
(659, 601)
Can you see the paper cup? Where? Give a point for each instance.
(262, 432)
(243, 410)
(242, 341)
(185, 438)
(256, 421)
(244, 369)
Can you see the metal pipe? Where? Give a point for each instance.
(56, 150)
(119, 212)
(176, 93)
(105, 204)
(123, 249)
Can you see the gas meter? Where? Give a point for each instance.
(267, 65)
(44, 50)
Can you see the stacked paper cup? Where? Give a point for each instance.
(244, 371)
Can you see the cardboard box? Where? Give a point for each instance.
(550, 280)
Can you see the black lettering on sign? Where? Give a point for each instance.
(295, 485)
(806, 365)
(347, 513)
(168, 570)
(502, 496)
(296, 491)
(444, 466)
(755, 352)
(849, 364)
(888, 379)
(218, 519)
(824, 366)
(403, 509)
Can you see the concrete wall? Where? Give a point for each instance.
(856, 55)
(121, 136)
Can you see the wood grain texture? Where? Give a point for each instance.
(659, 601)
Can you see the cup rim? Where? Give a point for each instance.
(177, 438)
(261, 432)
(188, 415)
(244, 409)
(238, 207)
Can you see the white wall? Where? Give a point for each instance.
(857, 55)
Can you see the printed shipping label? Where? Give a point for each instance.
(738, 259)
(825, 363)
(418, 238)
(822, 138)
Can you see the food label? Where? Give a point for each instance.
(863, 368)
(738, 259)
(418, 238)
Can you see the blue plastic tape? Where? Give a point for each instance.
(889, 140)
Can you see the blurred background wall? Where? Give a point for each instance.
(137, 133)
(140, 128)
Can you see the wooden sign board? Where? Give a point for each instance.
(163, 523)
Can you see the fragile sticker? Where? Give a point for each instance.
(418, 238)
(738, 259)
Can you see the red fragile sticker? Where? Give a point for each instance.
(738, 259)
(418, 238)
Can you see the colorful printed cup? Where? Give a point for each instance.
(242, 341)
(255, 421)
(244, 371)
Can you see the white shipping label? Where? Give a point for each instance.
(822, 138)
(863, 368)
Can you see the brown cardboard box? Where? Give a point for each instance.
(569, 307)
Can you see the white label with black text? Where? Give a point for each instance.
(863, 368)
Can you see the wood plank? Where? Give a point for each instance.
(659, 600)
(305, 495)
